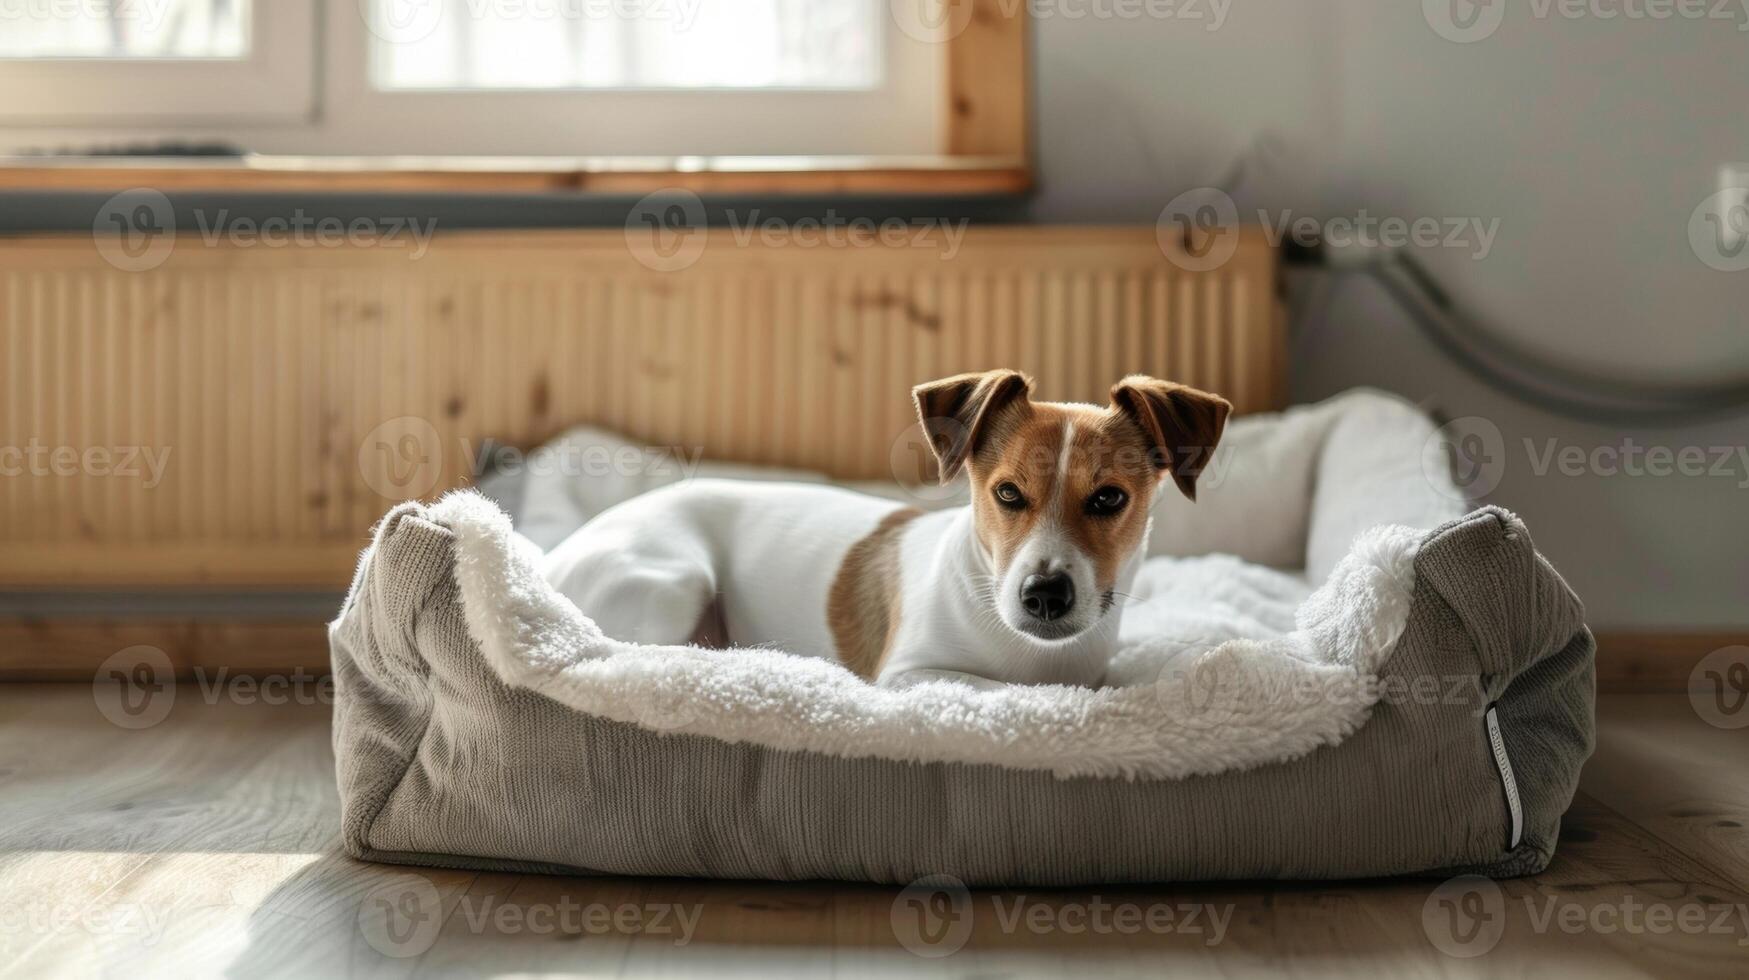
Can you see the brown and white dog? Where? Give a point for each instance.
(1022, 586)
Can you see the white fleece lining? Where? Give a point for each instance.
(1241, 704)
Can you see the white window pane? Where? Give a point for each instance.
(124, 28)
(557, 44)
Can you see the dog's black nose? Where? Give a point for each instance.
(1048, 597)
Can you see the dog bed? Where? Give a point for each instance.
(1328, 671)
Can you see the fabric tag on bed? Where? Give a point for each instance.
(1504, 764)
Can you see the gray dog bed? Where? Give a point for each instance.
(1417, 699)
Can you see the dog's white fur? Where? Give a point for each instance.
(766, 554)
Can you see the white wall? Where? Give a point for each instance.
(1591, 141)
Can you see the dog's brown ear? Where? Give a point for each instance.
(1183, 425)
(956, 412)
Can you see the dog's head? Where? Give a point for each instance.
(1061, 493)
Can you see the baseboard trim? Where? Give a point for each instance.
(1634, 662)
(37, 649)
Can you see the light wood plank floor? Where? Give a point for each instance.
(206, 846)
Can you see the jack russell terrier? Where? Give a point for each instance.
(1020, 587)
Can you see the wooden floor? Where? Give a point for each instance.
(205, 845)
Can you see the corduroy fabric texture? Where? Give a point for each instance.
(441, 764)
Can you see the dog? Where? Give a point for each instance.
(1023, 586)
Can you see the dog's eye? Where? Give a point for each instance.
(1107, 500)
(1009, 496)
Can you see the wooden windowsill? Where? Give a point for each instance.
(919, 176)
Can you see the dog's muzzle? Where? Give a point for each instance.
(1047, 597)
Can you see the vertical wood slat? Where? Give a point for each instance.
(263, 373)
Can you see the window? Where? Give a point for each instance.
(142, 29)
(736, 44)
(630, 78)
(546, 86)
(128, 62)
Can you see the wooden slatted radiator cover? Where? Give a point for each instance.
(238, 417)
